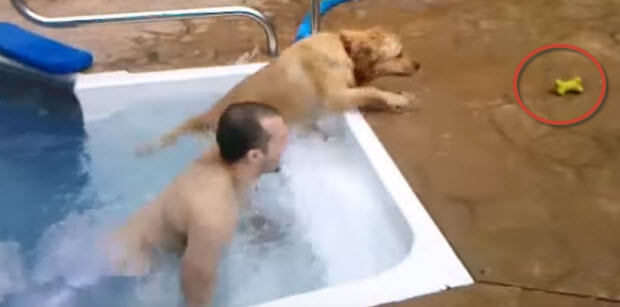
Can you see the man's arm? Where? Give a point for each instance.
(199, 266)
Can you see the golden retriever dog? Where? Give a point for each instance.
(323, 73)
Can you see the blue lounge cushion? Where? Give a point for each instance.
(42, 53)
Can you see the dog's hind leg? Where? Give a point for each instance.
(310, 128)
(199, 124)
(316, 128)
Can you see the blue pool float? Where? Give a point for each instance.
(305, 28)
(42, 53)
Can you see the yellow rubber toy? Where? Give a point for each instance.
(562, 87)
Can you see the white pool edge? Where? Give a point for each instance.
(115, 78)
(431, 255)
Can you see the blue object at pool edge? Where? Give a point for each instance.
(42, 53)
(305, 28)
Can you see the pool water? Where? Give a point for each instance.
(325, 219)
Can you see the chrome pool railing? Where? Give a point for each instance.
(77, 21)
(315, 15)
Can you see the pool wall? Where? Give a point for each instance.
(430, 266)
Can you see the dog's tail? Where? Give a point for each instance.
(203, 123)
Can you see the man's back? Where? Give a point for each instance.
(203, 195)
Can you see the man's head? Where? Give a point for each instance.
(252, 133)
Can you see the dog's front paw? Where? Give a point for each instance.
(410, 105)
(397, 101)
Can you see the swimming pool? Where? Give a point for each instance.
(339, 226)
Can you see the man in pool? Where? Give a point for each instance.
(197, 214)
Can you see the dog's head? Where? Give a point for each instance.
(376, 52)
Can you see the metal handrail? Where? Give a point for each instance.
(76, 21)
(315, 15)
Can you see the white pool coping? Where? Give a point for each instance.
(430, 266)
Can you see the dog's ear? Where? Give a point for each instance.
(356, 41)
(356, 44)
(350, 40)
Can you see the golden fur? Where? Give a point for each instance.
(323, 73)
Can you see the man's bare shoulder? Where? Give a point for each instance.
(204, 176)
(205, 187)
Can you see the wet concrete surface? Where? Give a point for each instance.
(532, 210)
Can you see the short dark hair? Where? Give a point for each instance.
(239, 129)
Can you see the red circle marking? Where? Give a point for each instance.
(580, 118)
